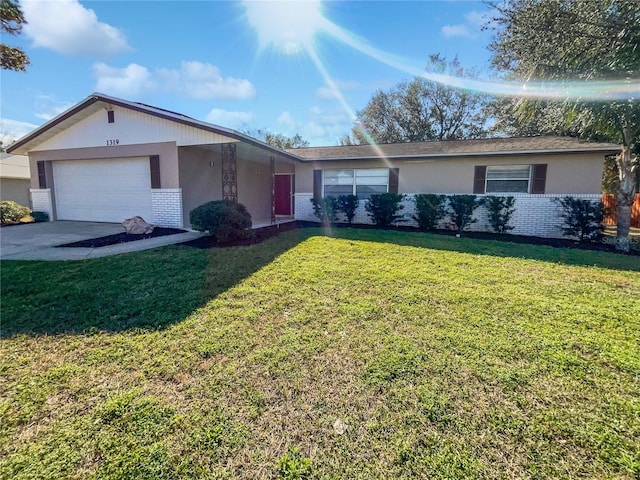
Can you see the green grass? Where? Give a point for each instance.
(445, 358)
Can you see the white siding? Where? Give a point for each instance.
(130, 128)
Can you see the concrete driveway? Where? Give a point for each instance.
(37, 241)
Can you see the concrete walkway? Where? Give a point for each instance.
(37, 241)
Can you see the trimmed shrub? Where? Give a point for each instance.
(348, 204)
(430, 210)
(461, 208)
(39, 217)
(12, 212)
(499, 212)
(223, 219)
(383, 208)
(582, 218)
(326, 209)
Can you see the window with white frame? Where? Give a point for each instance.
(508, 179)
(362, 182)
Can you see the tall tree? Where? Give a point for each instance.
(277, 140)
(569, 40)
(421, 110)
(11, 21)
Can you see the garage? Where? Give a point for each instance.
(106, 190)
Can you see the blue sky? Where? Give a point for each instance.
(289, 67)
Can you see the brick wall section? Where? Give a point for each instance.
(41, 201)
(535, 215)
(166, 204)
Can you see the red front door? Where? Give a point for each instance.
(283, 195)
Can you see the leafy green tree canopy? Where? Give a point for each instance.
(11, 21)
(277, 140)
(421, 110)
(573, 40)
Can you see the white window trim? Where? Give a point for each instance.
(529, 179)
(354, 184)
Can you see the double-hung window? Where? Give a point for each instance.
(362, 182)
(508, 179)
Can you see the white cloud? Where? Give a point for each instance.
(472, 26)
(51, 111)
(194, 79)
(131, 81)
(204, 81)
(323, 126)
(11, 130)
(227, 118)
(476, 18)
(67, 27)
(327, 93)
(286, 120)
(330, 117)
(458, 30)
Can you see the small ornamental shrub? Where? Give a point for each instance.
(293, 466)
(582, 218)
(348, 204)
(326, 209)
(223, 219)
(12, 212)
(383, 208)
(461, 208)
(499, 212)
(39, 217)
(430, 210)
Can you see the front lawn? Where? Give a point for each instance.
(364, 354)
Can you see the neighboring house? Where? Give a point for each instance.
(107, 159)
(15, 179)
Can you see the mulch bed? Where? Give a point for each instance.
(264, 233)
(259, 235)
(122, 238)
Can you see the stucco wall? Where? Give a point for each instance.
(254, 188)
(168, 152)
(200, 182)
(566, 174)
(16, 189)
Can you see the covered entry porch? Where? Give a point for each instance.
(261, 179)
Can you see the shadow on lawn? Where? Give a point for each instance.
(154, 289)
(147, 290)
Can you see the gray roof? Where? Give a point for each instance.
(457, 148)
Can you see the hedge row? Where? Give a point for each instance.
(581, 218)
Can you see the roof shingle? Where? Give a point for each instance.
(487, 146)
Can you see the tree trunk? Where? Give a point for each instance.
(626, 192)
(624, 222)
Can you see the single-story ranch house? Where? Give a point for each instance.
(107, 159)
(15, 179)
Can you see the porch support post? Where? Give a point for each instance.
(229, 172)
(272, 162)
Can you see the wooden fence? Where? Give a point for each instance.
(610, 205)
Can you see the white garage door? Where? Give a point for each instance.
(102, 190)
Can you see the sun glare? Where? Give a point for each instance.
(290, 27)
(287, 26)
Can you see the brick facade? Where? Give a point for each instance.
(535, 215)
(166, 204)
(41, 201)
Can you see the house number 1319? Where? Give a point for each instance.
(115, 141)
